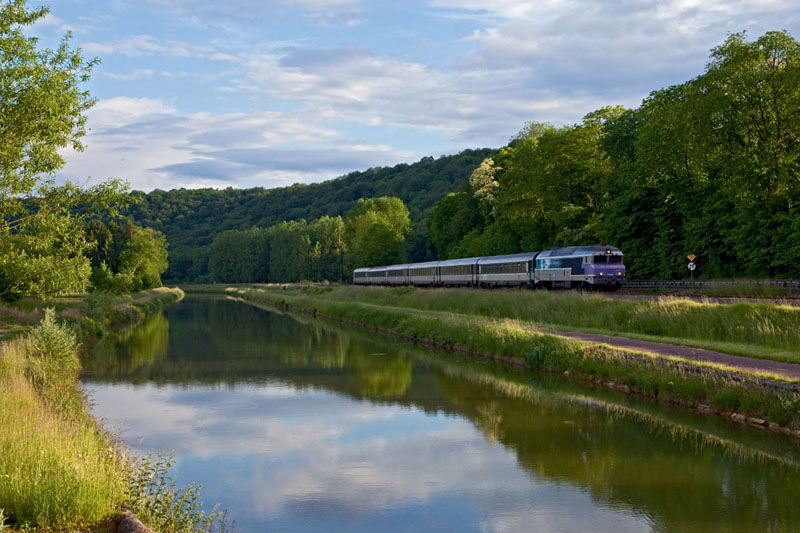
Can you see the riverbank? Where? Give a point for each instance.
(59, 469)
(497, 325)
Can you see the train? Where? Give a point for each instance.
(597, 266)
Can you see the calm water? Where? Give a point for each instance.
(302, 426)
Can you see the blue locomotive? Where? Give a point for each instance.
(587, 267)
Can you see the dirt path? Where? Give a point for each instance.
(788, 370)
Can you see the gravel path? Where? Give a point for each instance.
(787, 370)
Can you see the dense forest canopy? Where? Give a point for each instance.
(373, 233)
(192, 218)
(709, 167)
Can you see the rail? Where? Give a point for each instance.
(652, 283)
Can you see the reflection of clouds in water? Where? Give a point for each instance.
(282, 454)
(206, 422)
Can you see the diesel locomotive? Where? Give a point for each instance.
(596, 266)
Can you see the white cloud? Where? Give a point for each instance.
(135, 75)
(346, 12)
(276, 95)
(297, 452)
(149, 143)
(150, 45)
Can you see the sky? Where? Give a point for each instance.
(267, 93)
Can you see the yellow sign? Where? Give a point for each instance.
(691, 257)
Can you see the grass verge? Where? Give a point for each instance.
(751, 329)
(59, 470)
(512, 340)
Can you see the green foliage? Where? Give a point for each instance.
(43, 103)
(708, 167)
(287, 252)
(749, 329)
(125, 257)
(321, 250)
(52, 364)
(191, 219)
(42, 244)
(240, 256)
(160, 504)
(376, 231)
(728, 399)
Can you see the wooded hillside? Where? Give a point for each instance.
(191, 219)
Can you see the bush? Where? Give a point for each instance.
(157, 502)
(53, 353)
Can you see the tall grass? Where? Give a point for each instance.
(57, 469)
(745, 328)
(512, 339)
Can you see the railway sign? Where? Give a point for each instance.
(691, 258)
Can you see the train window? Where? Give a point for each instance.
(455, 270)
(615, 259)
(600, 259)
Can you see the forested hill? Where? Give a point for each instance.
(191, 218)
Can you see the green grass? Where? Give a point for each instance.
(511, 338)
(763, 330)
(59, 470)
(744, 289)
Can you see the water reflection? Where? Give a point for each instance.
(296, 426)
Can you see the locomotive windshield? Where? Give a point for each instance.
(607, 259)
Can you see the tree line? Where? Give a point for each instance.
(58, 238)
(708, 167)
(192, 218)
(373, 233)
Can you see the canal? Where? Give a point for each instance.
(297, 425)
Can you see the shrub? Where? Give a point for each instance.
(53, 357)
(158, 503)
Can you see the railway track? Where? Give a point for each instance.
(717, 290)
(687, 284)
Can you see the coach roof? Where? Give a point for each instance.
(580, 251)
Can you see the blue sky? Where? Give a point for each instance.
(267, 93)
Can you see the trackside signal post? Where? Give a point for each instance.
(691, 265)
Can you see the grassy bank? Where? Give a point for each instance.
(58, 469)
(514, 341)
(762, 330)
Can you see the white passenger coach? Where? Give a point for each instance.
(593, 266)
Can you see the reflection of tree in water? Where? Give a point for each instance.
(679, 480)
(488, 421)
(124, 352)
(381, 375)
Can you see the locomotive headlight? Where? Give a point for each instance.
(601, 273)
